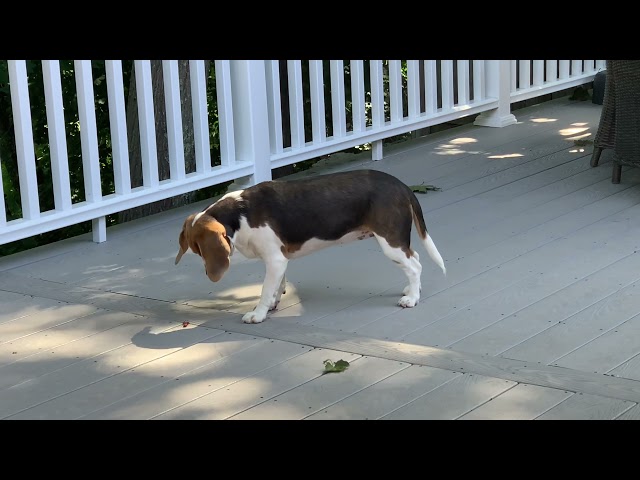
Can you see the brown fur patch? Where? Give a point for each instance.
(289, 248)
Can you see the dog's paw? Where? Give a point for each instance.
(253, 317)
(408, 302)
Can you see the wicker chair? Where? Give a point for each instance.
(619, 127)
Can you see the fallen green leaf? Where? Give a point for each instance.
(422, 188)
(339, 366)
(581, 142)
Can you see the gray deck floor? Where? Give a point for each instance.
(537, 318)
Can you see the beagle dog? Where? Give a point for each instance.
(281, 220)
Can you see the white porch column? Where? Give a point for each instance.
(498, 85)
(250, 120)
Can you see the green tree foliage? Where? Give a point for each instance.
(8, 156)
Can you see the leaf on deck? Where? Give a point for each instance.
(422, 188)
(339, 366)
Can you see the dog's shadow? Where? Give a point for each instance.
(174, 338)
(182, 337)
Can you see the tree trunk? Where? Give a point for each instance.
(133, 137)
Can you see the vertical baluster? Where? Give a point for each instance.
(118, 125)
(337, 99)
(274, 105)
(377, 105)
(589, 66)
(576, 67)
(146, 116)
(175, 142)
(88, 131)
(24, 139)
(357, 96)
(413, 88)
(447, 85)
(316, 87)
(225, 112)
(478, 80)
(89, 144)
(200, 115)
(296, 103)
(552, 71)
(525, 74)
(57, 134)
(395, 90)
(431, 86)
(538, 73)
(563, 70)
(463, 82)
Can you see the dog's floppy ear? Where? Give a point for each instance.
(214, 249)
(208, 238)
(183, 239)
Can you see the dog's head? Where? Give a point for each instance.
(208, 238)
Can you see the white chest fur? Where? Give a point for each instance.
(255, 242)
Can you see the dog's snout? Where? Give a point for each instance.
(214, 278)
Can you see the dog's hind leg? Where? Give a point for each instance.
(407, 289)
(273, 278)
(411, 267)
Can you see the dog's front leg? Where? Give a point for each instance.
(281, 289)
(276, 268)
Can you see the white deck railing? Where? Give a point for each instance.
(384, 103)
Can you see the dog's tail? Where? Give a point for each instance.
(418, 219)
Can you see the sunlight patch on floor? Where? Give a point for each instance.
(543, 120)
(572, 131)
(507, 155)
(463, 141)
